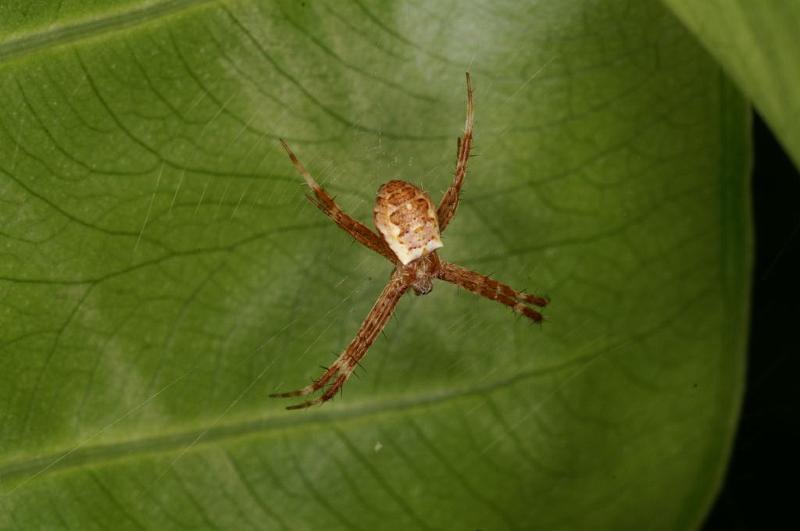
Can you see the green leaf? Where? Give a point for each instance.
(757, 44)
(161, 271)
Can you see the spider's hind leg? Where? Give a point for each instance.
(449, 203)
(323, 201)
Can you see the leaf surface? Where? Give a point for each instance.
(757, 44)
(161, 271)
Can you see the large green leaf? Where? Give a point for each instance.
(757, 42)
(161, 271)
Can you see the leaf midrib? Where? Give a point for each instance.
(35, 467)
(91, 27)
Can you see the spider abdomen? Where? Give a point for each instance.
(406, 218)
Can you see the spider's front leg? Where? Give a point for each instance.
(322, 200)
(346, 363)
(493, 290)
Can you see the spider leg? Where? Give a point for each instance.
(493, 290)
(329, 393)
(449, 203)
(323, 201)
(346, 363)
(316, 385)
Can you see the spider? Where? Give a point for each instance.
(410, 232)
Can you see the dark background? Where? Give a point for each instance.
(761, 489)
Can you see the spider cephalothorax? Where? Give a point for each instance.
(410, 233)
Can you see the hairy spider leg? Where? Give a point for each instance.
(346, 363)
(362, 234)
(493, 290)
(449, 203)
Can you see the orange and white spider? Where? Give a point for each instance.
(410, 232)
